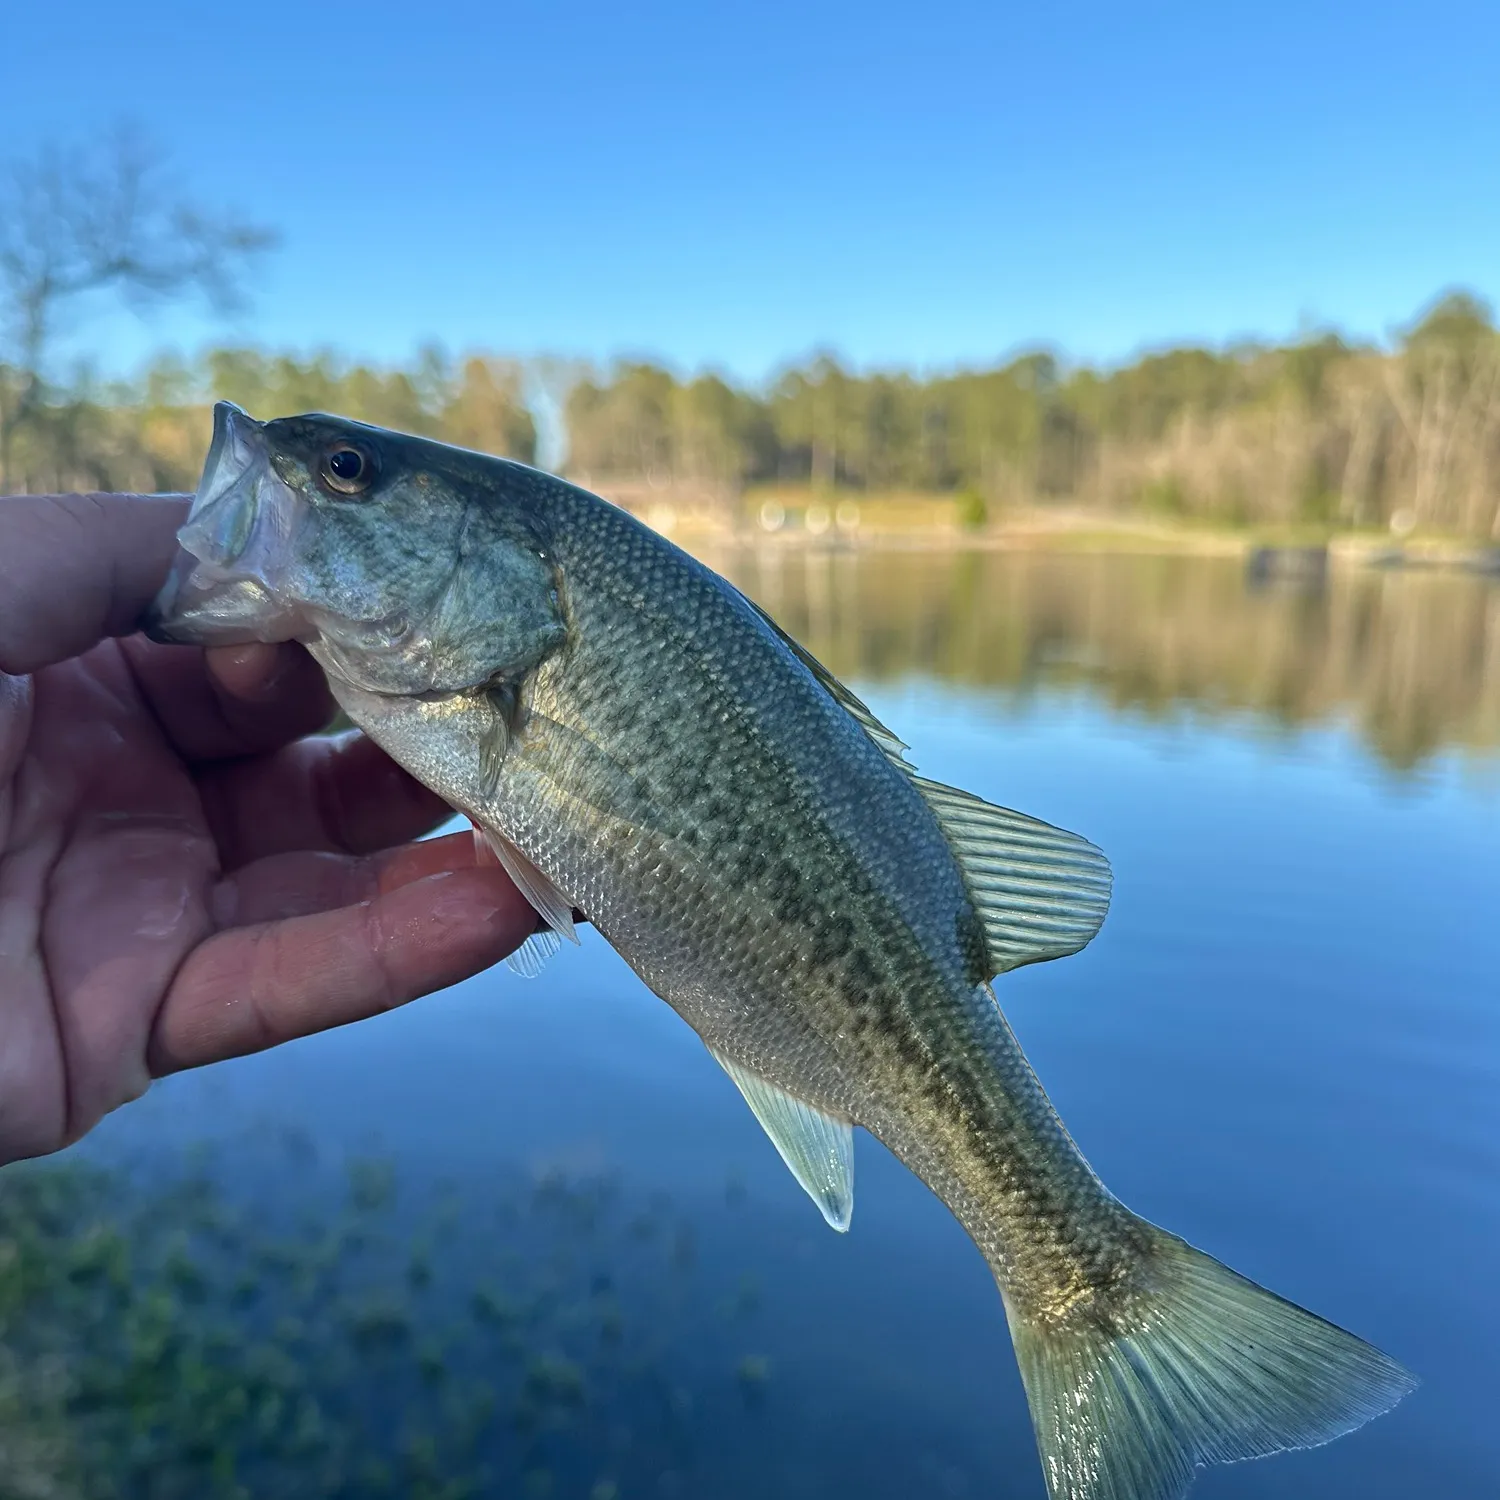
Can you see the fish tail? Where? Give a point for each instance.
(1193, 1365)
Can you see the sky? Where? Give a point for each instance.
(734, 186)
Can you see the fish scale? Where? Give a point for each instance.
(636, 740)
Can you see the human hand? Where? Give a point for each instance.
(184, 876)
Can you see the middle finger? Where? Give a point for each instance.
(337, 793)
(244, 700)
(301, 884)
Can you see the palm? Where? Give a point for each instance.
(107, 863)
(184, 877)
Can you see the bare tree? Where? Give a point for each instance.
(107, 219)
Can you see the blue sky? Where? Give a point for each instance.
(736, 185)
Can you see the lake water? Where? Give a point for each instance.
(1284, 1045)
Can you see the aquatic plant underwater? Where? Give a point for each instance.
(165, 1335)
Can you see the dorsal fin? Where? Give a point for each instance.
(891, 743)
(1041, 892)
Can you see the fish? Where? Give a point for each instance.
(640, 745)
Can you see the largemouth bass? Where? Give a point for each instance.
(638, 742)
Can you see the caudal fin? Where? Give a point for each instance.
(1198, 1366)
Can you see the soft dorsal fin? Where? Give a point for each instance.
(1041, 892)
(892, 744)
(818, 1147)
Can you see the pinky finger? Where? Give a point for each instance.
(249, 988)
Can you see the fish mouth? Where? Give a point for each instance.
(222, 589)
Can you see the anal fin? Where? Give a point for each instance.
(816, 1146)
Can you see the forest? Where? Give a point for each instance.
(1322, 431)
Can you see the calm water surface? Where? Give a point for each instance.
(1284, 1044)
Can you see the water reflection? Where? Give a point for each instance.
(566, 1263)
(1412, 659)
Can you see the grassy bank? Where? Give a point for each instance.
(802, 516)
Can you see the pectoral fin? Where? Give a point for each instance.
(492, 750)
(818, 1147)
(1041, 892)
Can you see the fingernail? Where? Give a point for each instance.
(283, 662)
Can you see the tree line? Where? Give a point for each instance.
(151, 433)
(1321, 430)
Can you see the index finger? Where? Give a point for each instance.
(75, 569)
(249, 988)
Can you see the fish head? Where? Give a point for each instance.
(406, 566)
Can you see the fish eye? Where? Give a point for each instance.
(347, 470)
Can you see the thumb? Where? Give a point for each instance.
(75, 569)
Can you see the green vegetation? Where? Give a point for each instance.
(151, 434)
(170, 1339)
(1322, 434)
(1319, 432)
(973, 509)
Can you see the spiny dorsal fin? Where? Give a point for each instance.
(1041, 892)
(857, 710)
(818, 1147)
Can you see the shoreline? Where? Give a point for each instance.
(1273, 551)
